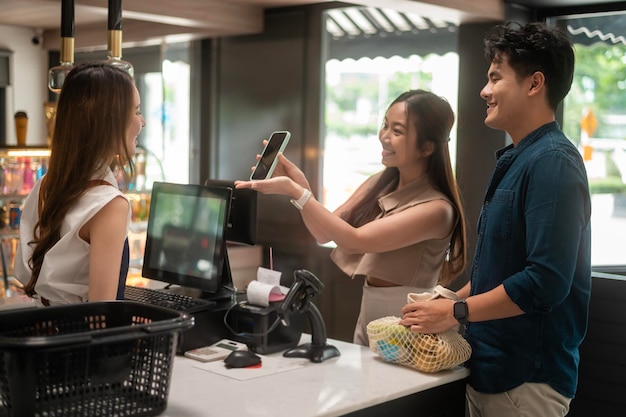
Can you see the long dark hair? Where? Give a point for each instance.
(92, 118)
(432, 118)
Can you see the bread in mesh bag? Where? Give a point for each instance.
(425, 352)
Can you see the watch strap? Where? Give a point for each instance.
(304, 198)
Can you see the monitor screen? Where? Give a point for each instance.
(185, 242)
(242, 221)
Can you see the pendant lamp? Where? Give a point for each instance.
(115, 38)
(57, 74)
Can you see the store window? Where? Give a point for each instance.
(594, 118)
(165, 139)
(373, 55)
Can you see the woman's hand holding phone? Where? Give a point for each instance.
(286, 177)
(279, 170)
(267, 161)
(276, 185)
(286, 168)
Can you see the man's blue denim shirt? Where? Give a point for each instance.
(534, 237)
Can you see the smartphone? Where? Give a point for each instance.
(269, 157)
(216, 351)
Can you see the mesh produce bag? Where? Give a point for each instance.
(422, 351)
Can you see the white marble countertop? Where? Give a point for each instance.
(292, 387)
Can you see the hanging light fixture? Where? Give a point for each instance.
(57, 74)
(115, 38)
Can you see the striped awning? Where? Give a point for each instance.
(609, 29)
(357, 32)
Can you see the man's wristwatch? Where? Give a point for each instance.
(461, 312)
(304, 198)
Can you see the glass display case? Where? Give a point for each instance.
(20, 168)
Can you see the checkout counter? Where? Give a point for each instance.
(322, 377)
(357, 383)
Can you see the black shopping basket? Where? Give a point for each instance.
(93, 359)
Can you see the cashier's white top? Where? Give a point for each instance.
(64, 276)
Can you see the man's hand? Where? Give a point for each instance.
(432, 316)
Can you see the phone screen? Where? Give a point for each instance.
(265, 166)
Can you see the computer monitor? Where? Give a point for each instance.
(242, 221)
(185, 242)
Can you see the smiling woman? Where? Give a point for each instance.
(413, 203)
(357, 92)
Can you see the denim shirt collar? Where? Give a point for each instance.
(505, 156)
(529, 139)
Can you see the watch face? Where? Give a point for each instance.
(460, 310)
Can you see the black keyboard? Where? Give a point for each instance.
(163, 298)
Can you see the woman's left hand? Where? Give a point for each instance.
(275, 185)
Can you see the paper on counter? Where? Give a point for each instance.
(269, 366)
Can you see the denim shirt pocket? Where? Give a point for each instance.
(499, 219)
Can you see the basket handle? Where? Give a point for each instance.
(185, 322)
(37, 342)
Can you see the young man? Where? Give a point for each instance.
(526, 304)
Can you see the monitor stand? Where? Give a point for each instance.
(225, 290)
(209, 324)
